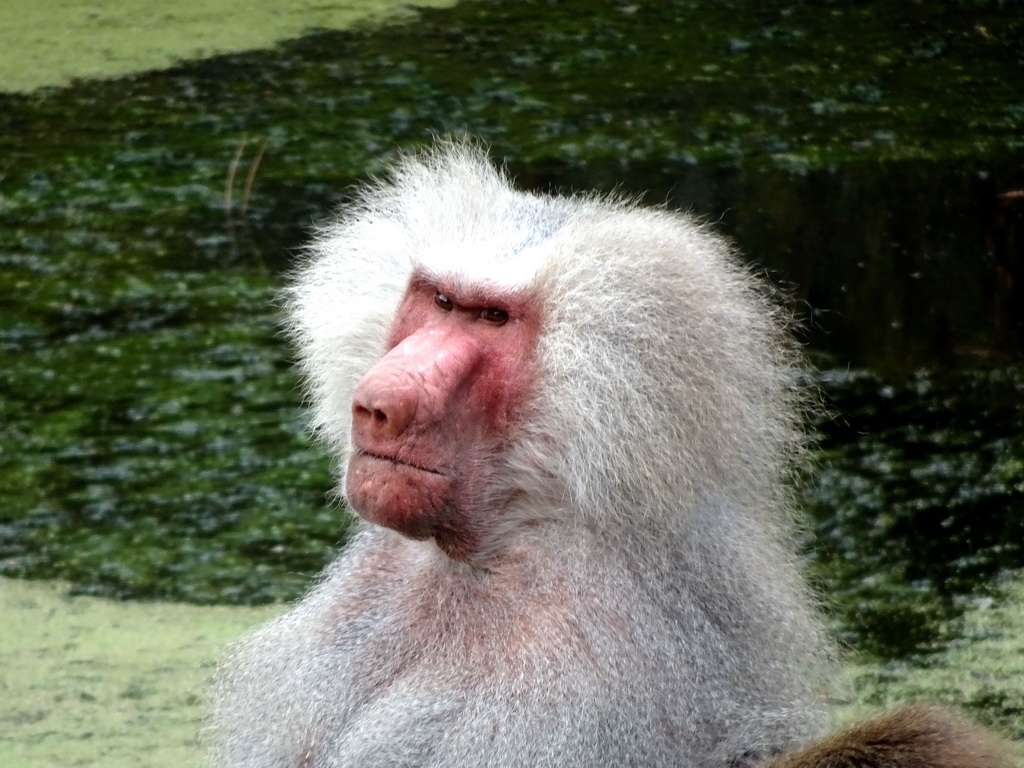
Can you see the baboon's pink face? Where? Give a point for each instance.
(430, 420)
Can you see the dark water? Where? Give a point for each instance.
(869, 155)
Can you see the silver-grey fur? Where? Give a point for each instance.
(639, 603)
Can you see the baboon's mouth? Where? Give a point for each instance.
(397, 461)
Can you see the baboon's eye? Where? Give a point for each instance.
(443, 302)
(494, 315)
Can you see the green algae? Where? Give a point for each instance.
(50, 44)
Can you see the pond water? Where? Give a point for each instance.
(869, 156)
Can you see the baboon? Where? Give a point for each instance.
(570, 429)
